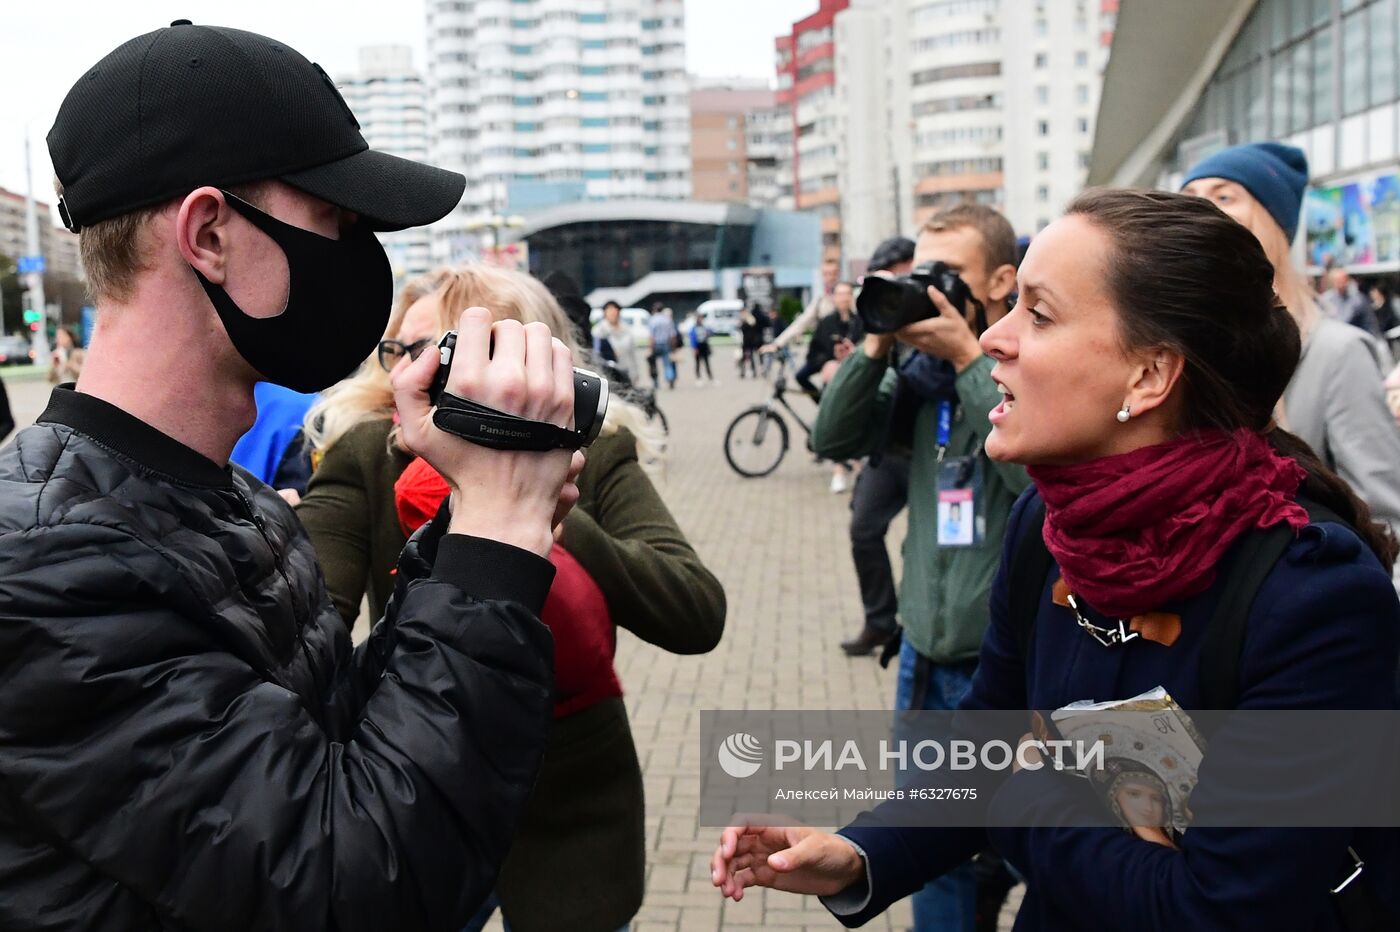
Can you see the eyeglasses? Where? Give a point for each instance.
(391, 351)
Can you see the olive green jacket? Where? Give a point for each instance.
(943, 591)
(579, 859)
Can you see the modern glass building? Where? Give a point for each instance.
(1189, 77)
(682, 253)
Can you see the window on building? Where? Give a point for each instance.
(1042, 59)
(1081, 94)
(733, 168)
(1042, 161)
(1042, 193)
(1383, 53)
(1300, 113)
(1354, 81)
(1042, 128)
(731, 143)
(1042, 94)
(1041, 26)
(1081, 59)
(1084, 124)
(1083, 160)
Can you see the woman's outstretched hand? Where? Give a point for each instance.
(793, 858)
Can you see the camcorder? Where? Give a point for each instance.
(887, 304)
(501, 431)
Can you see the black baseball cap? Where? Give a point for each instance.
(890, 253)
(187, 106)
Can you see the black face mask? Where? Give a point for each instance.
(338, 304)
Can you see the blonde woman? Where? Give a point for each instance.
(579, 858)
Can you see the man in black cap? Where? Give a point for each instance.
(189, 740)
(881, 491)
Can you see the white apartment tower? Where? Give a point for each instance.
(1053, 82)
(542, 101)
(943, 102)
(390, 102)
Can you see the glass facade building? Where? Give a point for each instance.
(616, 253)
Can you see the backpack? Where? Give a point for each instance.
(1246, 569)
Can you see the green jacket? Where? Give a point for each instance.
(943, 591)
(579, 857)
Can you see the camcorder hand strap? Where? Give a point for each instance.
(488, 427)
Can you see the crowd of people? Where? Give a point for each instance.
(191, 739)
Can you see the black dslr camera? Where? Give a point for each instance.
(887, 304)
(491, 428)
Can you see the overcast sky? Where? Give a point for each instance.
(45, 45)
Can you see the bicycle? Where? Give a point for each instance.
(757, 440)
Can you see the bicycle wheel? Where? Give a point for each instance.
(755, 442)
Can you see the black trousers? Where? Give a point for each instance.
(803, 376)
(880, 493)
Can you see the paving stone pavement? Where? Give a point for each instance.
(779, 546)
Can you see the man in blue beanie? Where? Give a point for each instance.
(1275, 174)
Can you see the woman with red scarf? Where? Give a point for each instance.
(1141, 367)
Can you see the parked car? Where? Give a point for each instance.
(634, 319)
(16, 350)
(722, 315)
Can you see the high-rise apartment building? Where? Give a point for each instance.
(389, 99)
(769, 152)
(719, 136)
(1053, 80)
(59, 247)
(867, 177)
(904, 107)
(545, 101)
(806, 64)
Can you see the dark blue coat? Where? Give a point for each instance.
(1323, 633)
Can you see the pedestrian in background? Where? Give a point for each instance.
(665, 340)
(66, 360)
(700, 346)
(1344, 300)
(1336, 400)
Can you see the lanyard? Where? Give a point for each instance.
(945, 427)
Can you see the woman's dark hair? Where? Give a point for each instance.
(1186, 277)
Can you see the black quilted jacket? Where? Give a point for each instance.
(188, 741)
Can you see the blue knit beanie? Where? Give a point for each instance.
(1275, 174)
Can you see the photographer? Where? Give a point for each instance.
(881, 492)
(944, 591)
(190, 741)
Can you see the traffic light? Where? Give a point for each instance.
(32, 317)
(34, 326)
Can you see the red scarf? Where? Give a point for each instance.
(1137, 531)
(576, 611)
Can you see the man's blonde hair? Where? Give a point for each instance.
(114, 251)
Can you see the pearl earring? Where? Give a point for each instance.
(1125, 413)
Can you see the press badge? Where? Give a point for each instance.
(960, 522)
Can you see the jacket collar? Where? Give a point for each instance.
(132, 438)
